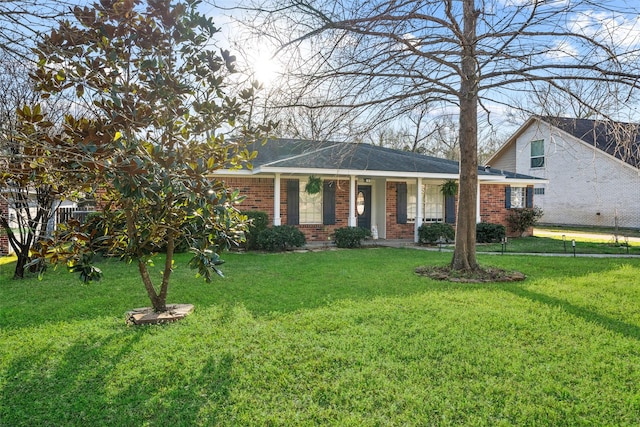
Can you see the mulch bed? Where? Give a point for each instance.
(483, 275)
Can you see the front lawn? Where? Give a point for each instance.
(557, 245)
(348, 337)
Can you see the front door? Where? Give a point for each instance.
(363, 206)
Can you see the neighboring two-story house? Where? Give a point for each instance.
(591, 167)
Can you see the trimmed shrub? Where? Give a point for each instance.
(431, 233)
(487, 232)
(349, 237)
(520, 220)
(259, 221)
(280, 238)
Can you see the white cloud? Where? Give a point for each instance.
(608, 28)
(562, 50)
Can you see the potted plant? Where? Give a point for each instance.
(314, 185)
(449, 188)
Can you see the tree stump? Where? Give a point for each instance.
(146, 315)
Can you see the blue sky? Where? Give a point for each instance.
(621, 27)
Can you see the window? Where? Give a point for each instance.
(310, 206)
(537, 154)
(432, 203)
(538, 191)
(518, 195)
(412, 202)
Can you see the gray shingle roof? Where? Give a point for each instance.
(304, 154)
(621, 140)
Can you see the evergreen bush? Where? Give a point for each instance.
(487, 232)
(259, 221)
(349, 237)
(431, 233)
(280, 238)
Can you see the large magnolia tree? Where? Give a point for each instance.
(151, 133)
(471, 56)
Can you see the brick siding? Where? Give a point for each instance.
(259, 196)
(395, 230)
(492, 206)
(258, 192)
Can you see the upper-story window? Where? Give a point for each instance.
(537, 154)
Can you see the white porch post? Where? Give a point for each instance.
(276, 200)
(478, 218)
(353, 220)
(419, 213)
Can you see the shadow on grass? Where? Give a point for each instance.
(49, 387)
(614, 325)
(114, 381)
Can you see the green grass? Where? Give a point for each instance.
(607, 231)
(350, 337)
(557, 245)
(589, 240)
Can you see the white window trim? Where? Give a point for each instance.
(413, 209)
(532, 157)
(303, 200)
(523, 199)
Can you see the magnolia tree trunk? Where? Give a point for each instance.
(21, 262)
(158, 298)
(464, 254)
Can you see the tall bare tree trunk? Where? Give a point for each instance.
(464, 254)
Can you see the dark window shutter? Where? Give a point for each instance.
(293, 202)
(329, 203)
(507, 197)
(401, 202)
(450, 209)
(529, 197)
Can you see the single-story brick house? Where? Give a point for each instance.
(390, 192)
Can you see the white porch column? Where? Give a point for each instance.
(478, 218)
(276, 200)
(353, 219)
(419, 208)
